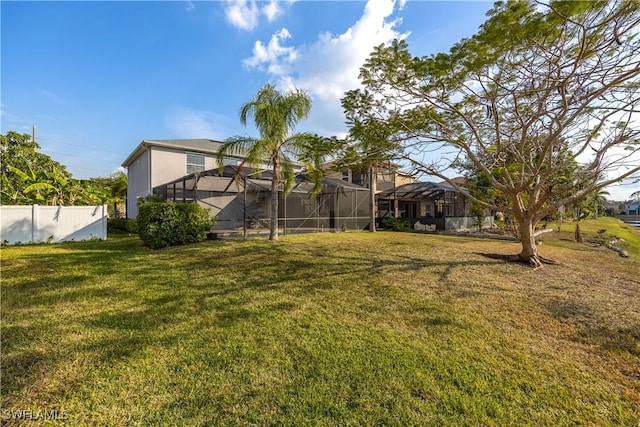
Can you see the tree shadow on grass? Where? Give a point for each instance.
(97, 258)
(138, 299)
(310, 276)
(617, 340)
(595, 330)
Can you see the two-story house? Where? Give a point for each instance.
(156, 162)
(186, 170)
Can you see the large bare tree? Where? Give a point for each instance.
(542, 101)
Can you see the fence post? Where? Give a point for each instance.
(104, 223)
(34, 223)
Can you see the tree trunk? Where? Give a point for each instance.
(578, 233)
(529, 250)
(273, 224)
(372, 199)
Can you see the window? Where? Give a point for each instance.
(358, 178)
(345, 175)
(195, 163)
(229, 161)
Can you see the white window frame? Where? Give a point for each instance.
(196, 167)
(229, 161)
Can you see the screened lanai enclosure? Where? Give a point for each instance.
(436, 204)
(241, 201)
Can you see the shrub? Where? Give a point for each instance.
(127, 225)
(162, 224)
(478, 213)
(149, 199)
(396, 224)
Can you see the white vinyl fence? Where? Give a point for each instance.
(37, 224)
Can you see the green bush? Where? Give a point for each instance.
(396, 224)
(162, 224)
(127, 225)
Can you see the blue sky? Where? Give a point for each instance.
(96, 78)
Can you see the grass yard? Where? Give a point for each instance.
(328, 329)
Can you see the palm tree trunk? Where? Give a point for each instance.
(372, 199)
(273, 224)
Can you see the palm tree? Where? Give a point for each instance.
(599, 201)
(275, 115)
(117, 187)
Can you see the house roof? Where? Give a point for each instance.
(206, 146)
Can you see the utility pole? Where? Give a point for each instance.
(34, 133)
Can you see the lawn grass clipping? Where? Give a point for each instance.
(349, 329)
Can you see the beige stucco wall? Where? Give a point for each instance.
(138, 182)
(169, 165)
(337, 174)
(402, 180)
(166, 165)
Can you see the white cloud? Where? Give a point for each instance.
(622, 191)
(187, 123)
(190, 6)
(329, 67)
(272, 10)
(274, 54)
(245, 14)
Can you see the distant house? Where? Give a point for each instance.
(632, 208)
(156, 162)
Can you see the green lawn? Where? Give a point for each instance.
(327, 329)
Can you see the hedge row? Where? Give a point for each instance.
(122, 224)
(396, 224)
